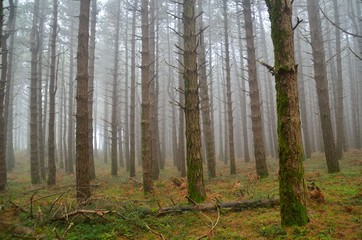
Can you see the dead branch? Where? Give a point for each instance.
(154, 232)
(84, 212)
(232, 206)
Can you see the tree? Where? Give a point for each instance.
(52, 92)
(92, 47)
(146, 104)
(114, 120)
(257, 127)
(34, 49)
(132, 139)
(195, 177)
(320, 76)
(291, 180)
(82, 153)
(205, 101)
(228, 91)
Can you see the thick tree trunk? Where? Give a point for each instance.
(195, 178)
(52, 92)
(82, 153)
(291, 180)
(257, 127)
(322, 85)
(92, 48)
(205, 101)
(34, 49)
(146, 102)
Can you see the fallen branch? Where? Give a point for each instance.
(232, 206)
(66, 217)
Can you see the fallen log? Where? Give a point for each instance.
(232, 206)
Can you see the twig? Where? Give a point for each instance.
(154, 232)
(57, 199)
(135, 180)
(191, 200)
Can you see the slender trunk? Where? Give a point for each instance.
(322, 85)
(205, 101)
(181, 141)
(52, 92)
(92, 47)
(132, 143)
(242, 94)
(302, 100)
(82, 151)
(257, 127)
(34, 49)
(146, 102)
(114, 117)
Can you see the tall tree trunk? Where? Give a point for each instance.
(52, 92)
(9, 109)
(228, 90)
(340, 143)
(4, 35)
(242, 94)
(146, 102)
(205, 101)
(181, 140)
(269, 88)
(153, 97)
(82, 153)
(92, 48)
(105, 127)
(291, 180)
(34, 49)
(126, 101)
(70, 168)
(302, 100)
(322, 84)
(42, 115)
(257, 127)
(132, 144)
(195, 177)
(114, 117)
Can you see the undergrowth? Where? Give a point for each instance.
(122, 211)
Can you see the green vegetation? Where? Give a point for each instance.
(133, 215)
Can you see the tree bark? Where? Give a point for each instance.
(292, 191)
(322, 85)
(146, 102)
(52, 92)
(257, 127)
(228, 91)
(132, 147)
(205, 101)
(34, 49)
(195, 178)
(92, 48)
(114, 118)
(82, 153)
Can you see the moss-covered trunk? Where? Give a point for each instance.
(195, 178)
(291, 173)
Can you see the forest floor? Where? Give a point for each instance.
(118, 209)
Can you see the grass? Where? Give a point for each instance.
(339, 217)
